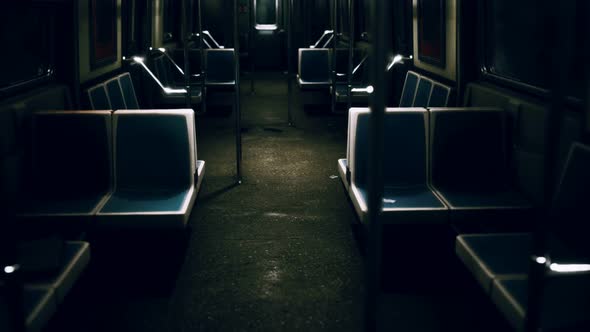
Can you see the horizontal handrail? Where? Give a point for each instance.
(326, 33)
(167, 90)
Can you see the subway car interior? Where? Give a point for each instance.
(249, 165)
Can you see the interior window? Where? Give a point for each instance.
(266, 14)
(171, 20)
(517, 46)
(26, 32)
(515, 43)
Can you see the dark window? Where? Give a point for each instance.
(171, 20)
(519, 45)
(516, 47)
(266, 13)
(25, 33)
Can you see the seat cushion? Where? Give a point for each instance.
(74, 260)
(565, 301)
(404, 205)
(49, 206)
(491, 256)
(510, 296)
(161, 209)
(129, 201)
(38, 305)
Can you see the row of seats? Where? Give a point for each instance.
(421, 91)
(47, 271)
(128, 168)
(418, 90)
(116, 93)
(219, 73)
(463, 151)
(501, 262)
(433, 164)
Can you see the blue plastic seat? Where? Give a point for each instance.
(500, 262)
(492, 256)
(128, 91)
(422, 92)
(439, 96)
(564, 304)
(155, 167)
(99, 98)
(220, 67)
(407, 196)
(314, 68)
(115, 94)
(71, 164)
(469, 166)
(409, 89)
(44, 291)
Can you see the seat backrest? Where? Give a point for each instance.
(409, 89)
(99, 98)
(423, 92)
(115, 94)
(128, 91)
(154, 149)
(314, 65)
(15, 133)
(468, 148)
(405, 149)
(71, 152)
(220, 66)
(439, 97)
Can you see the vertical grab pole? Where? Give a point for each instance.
(351, 42)
(202, 52)
(378, 56)
(252, 42)
(289, 61)
(335, 42)
(237, 95)
(185, 41)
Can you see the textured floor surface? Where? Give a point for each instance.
(274, 253)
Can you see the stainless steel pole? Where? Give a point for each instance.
(238, 114)
(185, 41)
(378, 55)
(351, 42)
(289, 61)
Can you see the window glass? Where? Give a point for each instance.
(516, 47)
(172, 20)
(25, 32)
(266, 12)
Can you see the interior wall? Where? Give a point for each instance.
(86, 72)
(450, 70)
